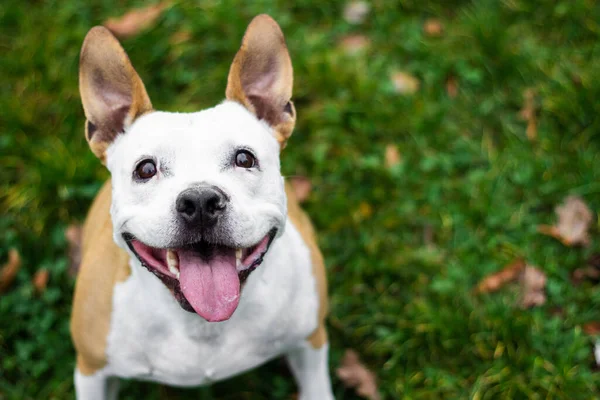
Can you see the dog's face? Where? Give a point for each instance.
(197, 198)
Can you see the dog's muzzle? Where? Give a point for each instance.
(204, 277)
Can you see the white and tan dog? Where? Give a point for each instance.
(198, 263)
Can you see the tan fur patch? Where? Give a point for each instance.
(103, 265)
(302, 223)
(263, 57)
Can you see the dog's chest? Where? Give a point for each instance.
(152, 338)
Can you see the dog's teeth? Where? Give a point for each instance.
(173, 262)
(238, 258)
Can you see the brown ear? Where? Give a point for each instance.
(261, 77)
(112, 93)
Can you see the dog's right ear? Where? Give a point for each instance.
(112, 93)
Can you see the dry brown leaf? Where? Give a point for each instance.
(364, 211)
(433, 27)
(73, 234)
(591, 272)
(574, 219)
(135, 21)
(428, 235)
(586, 273)
(10, 269)
(404, 83)
(392, 156)
(494, 282)
(533, 282)
(592, 328)
(594, 261)
(354, 374)
(354, 44)
(355, 12)
(452, 86)
(302, 187)
(180, 37)
(558, 312)
(528, 113)
(40, 280)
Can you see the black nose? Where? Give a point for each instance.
(201, 205)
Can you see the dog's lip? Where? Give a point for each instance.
(155, 258)
(169, 272)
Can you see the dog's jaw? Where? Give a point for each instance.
(204, 278)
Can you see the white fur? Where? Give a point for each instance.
(190, 149)
(151, 337)
(311, 368)
(97, 386)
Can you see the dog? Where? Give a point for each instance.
(197, 262)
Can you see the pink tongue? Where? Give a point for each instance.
(212, 288)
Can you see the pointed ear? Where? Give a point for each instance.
(112, 93)
(261, 77)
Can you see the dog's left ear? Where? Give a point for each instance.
(112, 93)
(261, 77)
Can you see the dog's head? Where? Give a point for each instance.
(197, 198)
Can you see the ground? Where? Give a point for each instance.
(405, 240)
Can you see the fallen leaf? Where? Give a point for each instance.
(354, 374)
(558, 312)
(592, 328)
(392, 156)
(354, 44)
(433, 27)
(574, 219)
(40, 280)
(363, 212)
(452, 86)
(532, 280)
(404, 83)
(594, 261)
(73, 234)
(528, 113)
(494, 282)
(10, 269)
(180, 37)
(428, 235)
(302, 187)
(533, 287)
(590, 272)
(135, 21)
(355, 12)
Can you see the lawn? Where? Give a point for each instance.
(406, 238)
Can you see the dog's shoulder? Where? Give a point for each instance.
(302, 223)
(103, 264)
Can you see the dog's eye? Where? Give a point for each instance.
(245, 159)
(145, 170)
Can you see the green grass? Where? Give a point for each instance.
(468, 173)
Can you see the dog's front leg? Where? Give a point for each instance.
(97, 386)
(311, 369)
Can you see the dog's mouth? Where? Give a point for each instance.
(204, 277)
